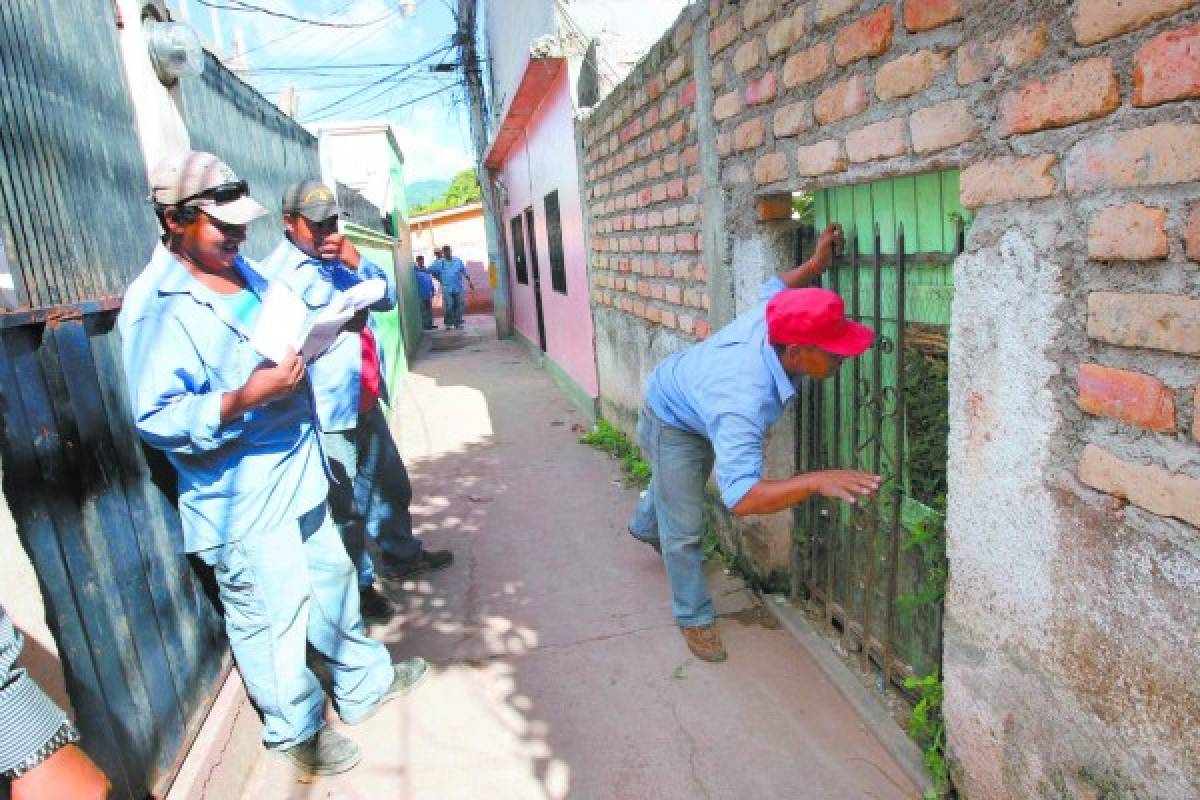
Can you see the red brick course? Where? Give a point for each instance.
(941, 126)
(924, 15)
(1132, 397)
(806, 66)
(868, 36)
(1131, 232)
(881, 140)
(1169, 322)
(1085, 91)
(761, 90)
(909, 74)
(1152, 488)
(842, 100)
(1097, 20)
(1159, 154)
(1002, 180)
(1167, 67)
(1191, 234)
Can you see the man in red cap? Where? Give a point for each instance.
(714, 402)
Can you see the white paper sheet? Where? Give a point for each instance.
(282, 322)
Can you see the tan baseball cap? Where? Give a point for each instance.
(201, 180)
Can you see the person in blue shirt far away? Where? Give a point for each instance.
(425, 292)
(371, 491)
(240, 432)
(451, 272)
(713, 403)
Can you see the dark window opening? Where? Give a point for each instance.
(518, 244)
(558, 267)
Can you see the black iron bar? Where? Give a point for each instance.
(876, 448)
(898, 461)
(851, 515)
(837, 444)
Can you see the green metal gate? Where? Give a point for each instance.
(876, 570)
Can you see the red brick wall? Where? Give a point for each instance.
(1076, 125)
(643, 181)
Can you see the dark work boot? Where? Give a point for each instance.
(424, 561)
(374, 606)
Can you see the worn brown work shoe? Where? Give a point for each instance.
(705, 642)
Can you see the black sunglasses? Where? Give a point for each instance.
(225, 193)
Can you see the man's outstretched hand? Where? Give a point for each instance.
(843, 484)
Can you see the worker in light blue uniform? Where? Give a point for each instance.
(371, 492)
(240, 432)
(451, 272)
(425, 293)
(713, 403)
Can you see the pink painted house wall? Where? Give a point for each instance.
(550, 134)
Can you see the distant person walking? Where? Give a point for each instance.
(452, 274)
(425, 291)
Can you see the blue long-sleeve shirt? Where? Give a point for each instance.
(730, 389)
(451, 272)
(183, 349)
(336, 375)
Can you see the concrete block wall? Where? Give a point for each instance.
(1070, 636)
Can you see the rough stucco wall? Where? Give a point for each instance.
(508, 37)
(1070, 636)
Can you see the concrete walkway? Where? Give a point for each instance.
(558, 670)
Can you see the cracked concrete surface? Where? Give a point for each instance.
(558, 669)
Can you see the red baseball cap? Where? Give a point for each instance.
(815, 317)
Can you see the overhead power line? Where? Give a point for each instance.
(242, 6)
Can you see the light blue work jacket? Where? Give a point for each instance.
(182, 350)
(336, 375)
(730, 389)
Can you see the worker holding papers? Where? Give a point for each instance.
(318, 303)
(287, 320)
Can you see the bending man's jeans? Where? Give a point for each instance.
(283, 589)
(671, 512)
(427, 312)
(454, 300)
(371, 494)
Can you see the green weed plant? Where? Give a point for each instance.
(609, 439)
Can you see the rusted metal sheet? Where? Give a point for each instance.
(140, 640)
(73, 188)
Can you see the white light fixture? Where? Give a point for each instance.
(175, 51)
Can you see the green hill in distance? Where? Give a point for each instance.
(422, 192)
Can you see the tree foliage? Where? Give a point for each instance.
(463, 189)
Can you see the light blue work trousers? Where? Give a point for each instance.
(370, 494)
(283, 589)
(454, 300)
(671, 512)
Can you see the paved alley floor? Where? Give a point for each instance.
(558, 671)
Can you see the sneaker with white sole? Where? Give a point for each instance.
(326, 752)
(409, 674)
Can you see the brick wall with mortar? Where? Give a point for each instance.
(1075, 467)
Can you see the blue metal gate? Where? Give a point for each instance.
(140, 641)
